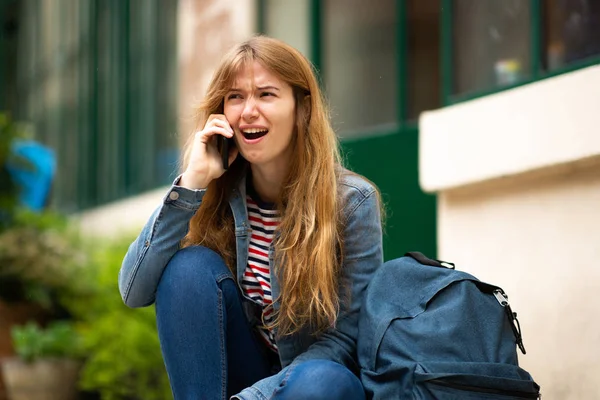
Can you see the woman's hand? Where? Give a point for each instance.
(205, 163)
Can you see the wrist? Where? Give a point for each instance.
(193, 181)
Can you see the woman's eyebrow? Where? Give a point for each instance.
(267, 87)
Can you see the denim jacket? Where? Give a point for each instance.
(363, 254)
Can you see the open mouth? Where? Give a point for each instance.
(252, 134)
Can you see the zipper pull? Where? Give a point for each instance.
(501, 297)
(515, 326)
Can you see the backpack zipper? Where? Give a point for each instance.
(524, 395)
(512, 317)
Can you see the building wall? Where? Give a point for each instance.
(206, 30)
(119, 218)
(518, 182)
(539, 241)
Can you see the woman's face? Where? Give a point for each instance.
(261, 110)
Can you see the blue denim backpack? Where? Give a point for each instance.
(427, 331)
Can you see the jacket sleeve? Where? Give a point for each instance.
(159, 240)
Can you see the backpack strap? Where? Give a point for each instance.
(423, 259)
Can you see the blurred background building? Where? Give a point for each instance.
(478, 120)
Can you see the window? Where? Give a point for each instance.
(572, 31)
(97, 83)
(384, 62)
(423, 58)
(491, 42)
(360, 47)
(360, 63)
(8, 53)
(497, 44)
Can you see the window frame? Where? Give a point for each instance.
(447, 96)
(316, 57)
(537, 73)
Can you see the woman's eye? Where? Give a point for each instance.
(234, 96)
(264, 94)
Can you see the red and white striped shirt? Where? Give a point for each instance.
(256, 282)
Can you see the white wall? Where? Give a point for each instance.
(207, 29)
(120, 217)
(518, 179)
(554, 121)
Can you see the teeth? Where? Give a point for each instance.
(254, 130)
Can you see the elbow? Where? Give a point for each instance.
(129, 303)
(133, 301)
(128, 286)
(128, 300)
(130, 296)
(134, 304)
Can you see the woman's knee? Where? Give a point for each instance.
(194, 268)
(322, 379)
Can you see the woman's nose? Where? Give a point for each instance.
(250, 111)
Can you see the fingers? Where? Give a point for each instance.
(219, 120)
(206, 134)
(216, 125)
(223, 125)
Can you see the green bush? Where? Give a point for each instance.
(123, 352)
(41, 259)
(58, 340)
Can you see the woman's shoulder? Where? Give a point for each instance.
(354, 189)
(351, 182)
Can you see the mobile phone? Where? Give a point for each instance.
(223, 145)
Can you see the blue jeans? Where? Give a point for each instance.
(209, 348)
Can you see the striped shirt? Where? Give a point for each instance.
(256, 282)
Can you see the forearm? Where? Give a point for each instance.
(159, 240)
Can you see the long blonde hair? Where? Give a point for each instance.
(309, 243)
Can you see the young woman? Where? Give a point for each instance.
(258, 271)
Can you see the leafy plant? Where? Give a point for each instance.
(58, 340)
(37, 253)
(9, 132)
(123, 352)
(41, 259)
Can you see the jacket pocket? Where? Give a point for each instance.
(486, 381)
